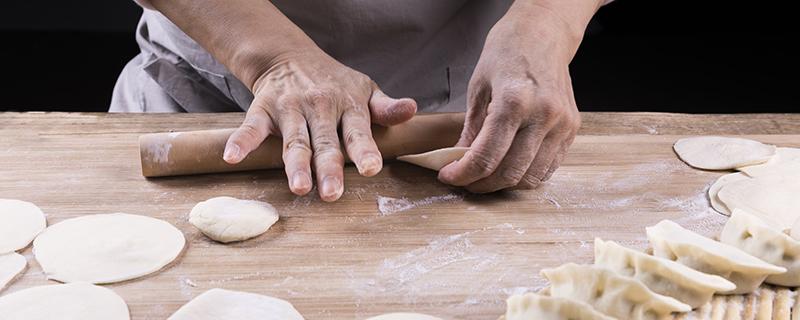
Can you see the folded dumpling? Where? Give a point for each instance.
(671, 241)
(610, 293)
(532, 306)
(754, 236)
(663, 276)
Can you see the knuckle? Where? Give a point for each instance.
(515, 100)
(483, 164)
(296, 144)
(528, 181)
(250, 130)
(353, 135)
(511, 177)
(288, 102)
(320, 97)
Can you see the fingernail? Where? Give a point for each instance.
(301, 181)
(232, 154)
(331, 188)
(370, 166)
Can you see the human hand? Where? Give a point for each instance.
(521, 114)
(305, 97)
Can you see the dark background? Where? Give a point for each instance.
(639, 55)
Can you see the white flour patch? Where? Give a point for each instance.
(159, 153)
(186, 286)
(389, 205)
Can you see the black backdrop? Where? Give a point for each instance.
(639, 55)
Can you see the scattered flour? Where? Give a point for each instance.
(389, 205)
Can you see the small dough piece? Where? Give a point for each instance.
(404, 316)
(106, 248)
(663, 276)
(671, 241)
(722, 153)
(713, 191)
(751, 234)
(217, 304)
(436, 159)
(227, 219)
(20, 222)
(12, 265)
(610, 293)
(773, 198)
(64, 301)
(784, 159)
(532, 306)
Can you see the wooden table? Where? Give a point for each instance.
(449, 254)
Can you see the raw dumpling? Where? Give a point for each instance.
(610, 293)
(20, 222)
(64, 301)
(106, 248)
(532, 306)
(436, 159)
(783, 160)
(227, 219)
(773, 197)
(713, 191)
(663, 276)
(722, 153)
(218, 304)
(671, 241)
(404, 316)
(749, 233)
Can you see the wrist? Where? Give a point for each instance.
(561, 21)
(252, 59)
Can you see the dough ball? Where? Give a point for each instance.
(404, 316)
(64, 301)
(11, 265)
(106, 248)
(217, 304)
(436, 159)
(722, 153)
(227, 219)
(20, 222)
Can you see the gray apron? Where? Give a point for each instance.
(421, 49)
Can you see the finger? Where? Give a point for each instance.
(515, 164)
(387, 111)
(296, 147)
(358, 141)
(547, 154)
(478, 99)
(254, 129)
(327, 159)
(559, 158)
(486, 152)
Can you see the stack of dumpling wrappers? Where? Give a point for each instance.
(750, 273)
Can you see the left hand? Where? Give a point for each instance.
(521, 114)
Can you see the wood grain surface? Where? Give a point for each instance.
(433, 249)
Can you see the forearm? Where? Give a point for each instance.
(562, 20)
(247, 36)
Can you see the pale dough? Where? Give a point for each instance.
(219, 304)
(785, 159)
(227, 219)
(404, 316)
(11, 265)
(773, 198)
(722, 153)
(74, 301)
(537, 307)
(20, 222)
(106, 248)
(713, 191)
(436, 159)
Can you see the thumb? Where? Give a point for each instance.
(254, 130)
(387, 111)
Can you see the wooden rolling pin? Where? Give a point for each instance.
(197, 152)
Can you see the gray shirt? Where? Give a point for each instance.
(421, 49)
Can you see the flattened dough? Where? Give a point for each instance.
(64, 301)
(227, 219)
(218, 304)
(785, 159)
(106, 248)
(404, 316)
(774, 198)
(11, 265)
(722, 153)
(713, 191)
(436, 159)
(20, 222)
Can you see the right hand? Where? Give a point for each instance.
(304, 98)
